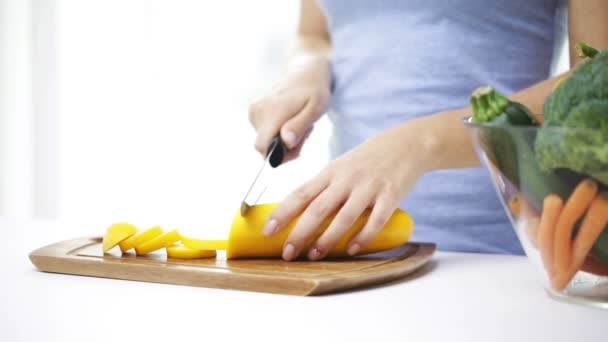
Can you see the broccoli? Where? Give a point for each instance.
(581, 101)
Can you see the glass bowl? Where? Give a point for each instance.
(574, 270)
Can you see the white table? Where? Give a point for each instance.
(460, 297)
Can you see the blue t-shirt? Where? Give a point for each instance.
(395, 60)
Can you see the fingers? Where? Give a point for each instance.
(382, 211)
(295, 129)
(346, 217)
(295, 152)
(310, 221)
(294, 204)
(268, 115)
(290, 115)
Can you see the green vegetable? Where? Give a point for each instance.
(511, 146)
(600, 247)
(489, 106)
(580, 102)
(552, 160)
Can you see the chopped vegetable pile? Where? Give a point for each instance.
(127, 237)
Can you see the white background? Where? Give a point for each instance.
(142, 106)
(153, 107)
(137, 110)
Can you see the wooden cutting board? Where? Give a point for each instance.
(84, 256)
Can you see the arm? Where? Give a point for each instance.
(312, 39)
(380, 172)
(587, 21)
(302, 94)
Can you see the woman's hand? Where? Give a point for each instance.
(293, 106)
(376, 174)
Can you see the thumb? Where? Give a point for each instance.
(294, 131)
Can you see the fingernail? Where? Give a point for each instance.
(290, 139)
(289, 252)
(354, 249)
(270, 227)
(314, 253)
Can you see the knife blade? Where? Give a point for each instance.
(274, 157)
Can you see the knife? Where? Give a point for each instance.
(274, 157)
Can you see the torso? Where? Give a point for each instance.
(397, 60)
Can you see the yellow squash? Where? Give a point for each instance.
(183, 252)
(117, 233)
(161, 241)
(204, 244)
(247, 240)
(140, 238)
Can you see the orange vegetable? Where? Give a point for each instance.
(593, 224)
(552, 209)
(575, 208)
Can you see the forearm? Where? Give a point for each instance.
(312, 43)
(444, 140)
(308, 52)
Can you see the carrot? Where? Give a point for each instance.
(574, 209)
(593, 224)
(552, 209)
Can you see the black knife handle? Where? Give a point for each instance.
(277, 146)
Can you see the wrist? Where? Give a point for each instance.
(424, 149)
(306, 61)
(309, 67)
(443, 141)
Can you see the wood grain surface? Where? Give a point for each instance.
(84, 256)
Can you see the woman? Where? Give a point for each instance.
(396, 76)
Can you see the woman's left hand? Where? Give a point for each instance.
(377, 175)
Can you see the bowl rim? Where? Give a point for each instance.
(468, 121)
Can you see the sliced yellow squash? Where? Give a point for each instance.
(183, 252)
(117, 233)
(140, 238)
(161, 241)
(204, 245)
(247, 240)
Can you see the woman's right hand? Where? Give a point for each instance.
(292, 106)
